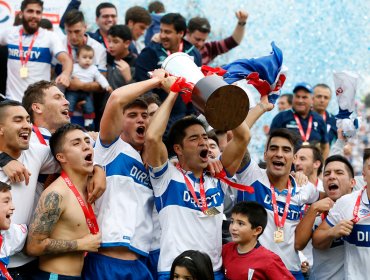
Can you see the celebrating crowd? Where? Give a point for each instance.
(108, 172)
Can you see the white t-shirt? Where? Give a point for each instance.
(184, 226)
(46, 46)
(356, 245)
(37, 159)
(90, 74)
(13, 241)
(124, 211)
(255, 176)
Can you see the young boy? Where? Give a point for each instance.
(12, 236)
(86, 72)
(245, 258)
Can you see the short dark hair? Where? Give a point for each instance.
(341, 159)
(84, 48)
(73, 17)
(4, 187)
(138, 102)
(156, 7)
(138, 14)
(35, 94)
(212, 135)
(255, 212)
(46, 24)
(200, 24)
(198, 264)
(28, 2)
(323, 86)
(5, 104)
(177, 131)
(177, 20)
(103, 6)
(316, 155)
(366, 155)
(152, 98)
(56, 141)
(121, 31)
(283, 133)
(289, 97)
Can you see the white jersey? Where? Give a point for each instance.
(100, 53)
(255, 176)
(356, 245)
(37, 159)
(90, 74)
(46, 46)
(125, 209)
(328, 264)
(13, 241)
(184, 226)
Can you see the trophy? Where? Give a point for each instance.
(224, 106)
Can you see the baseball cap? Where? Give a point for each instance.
(304, 86)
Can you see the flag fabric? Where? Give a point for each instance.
(266, 74)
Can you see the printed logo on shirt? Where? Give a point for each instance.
(360, 236)
(364, 211)
(38, 54)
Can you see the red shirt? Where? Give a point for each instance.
(259, 263)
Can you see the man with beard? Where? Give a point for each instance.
(15, 132)
(124, 212)
(30, 52)
(172, 32)
(189, 201)
(338, 180)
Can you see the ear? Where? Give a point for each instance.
(36, 108)
(257, 231)
(60, 157)
(1, 130)
(181, 33)
(177, 149)
(316, 164)
(130, 23)
(264, 155)
(353, 183)
(127, 43)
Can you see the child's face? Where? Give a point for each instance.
(6, 209)
(181, 273)
(117, 46)
(85, 58)
(241, 229)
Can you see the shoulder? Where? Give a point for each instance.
(316, 116)
(94, 44)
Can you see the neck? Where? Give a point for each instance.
(103, 33)
(313, 179)
(44, 124)
(122, 55)
(78, 179)
(279, 182)
(196, 171)
(11, 152)
(320, 112)
(246, 248)
(304, 114)
(176, 48)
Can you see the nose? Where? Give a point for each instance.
(12, 206)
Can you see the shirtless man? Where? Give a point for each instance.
(61, 231)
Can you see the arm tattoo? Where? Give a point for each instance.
(45, 218)
(246, 159)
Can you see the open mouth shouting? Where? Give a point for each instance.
(278, 164)
(65, 112)
(333, 187)
(204, 155)
(140, 131)
(24, 135)
(89, 159)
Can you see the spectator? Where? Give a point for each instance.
(156, 10)
(285, 102)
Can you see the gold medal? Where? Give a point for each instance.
(211, 211)
(23, 72)
(279, 235)
(305, 143)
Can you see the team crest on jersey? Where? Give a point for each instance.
(364, 211)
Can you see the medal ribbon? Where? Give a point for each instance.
(39, 135)
(280, 224)
(23, 59)
(203, 202)
(3, 270)
(304, 136)
(222, 177)
(356, 218)
(70, 47)
(324, 117)
(181, 47)
(88, 211)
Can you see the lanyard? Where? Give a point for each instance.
(222, 177)
(23, 59)
(88, 211)
(357, 206)
(3, 270)
(304, 136)
(203, 202)
(70, 47)
(324, 117)
(39, 135)
(105, 40)
(181, 46)
(280, 224)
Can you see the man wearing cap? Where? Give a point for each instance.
(308, 124)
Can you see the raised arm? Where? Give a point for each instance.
(111, 122)
(156, 152)
(239, 30)
(46, 216)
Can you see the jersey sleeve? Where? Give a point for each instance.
(100, 58)
(100, 79)
(56, 44)
(160, 177)
(308, 194)
(14, 238)
(277, 269)
(336, 213)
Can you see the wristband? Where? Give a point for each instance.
(242, 23)
(5, 159)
